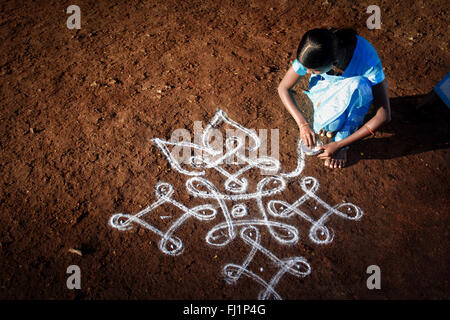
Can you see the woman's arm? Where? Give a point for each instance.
(289, 80)
(382, 116)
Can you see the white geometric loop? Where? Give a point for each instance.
(227, 202)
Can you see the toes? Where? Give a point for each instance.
(336, 163)
(332, 163)
(329, 134)
(342, 163)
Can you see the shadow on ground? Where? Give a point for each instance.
(418, 124)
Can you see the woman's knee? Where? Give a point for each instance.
(337, 124)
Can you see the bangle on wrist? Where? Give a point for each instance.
(304, 124)
(370, 130)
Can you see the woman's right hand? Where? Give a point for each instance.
(307, 135)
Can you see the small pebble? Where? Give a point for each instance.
(78, 252)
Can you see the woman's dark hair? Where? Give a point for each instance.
(318, 47)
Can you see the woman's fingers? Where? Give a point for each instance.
(322, 149)
(305, 139)
(308, 138)
(308, 141)
(312, 139)
(324, 154)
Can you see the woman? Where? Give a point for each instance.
(346, 78)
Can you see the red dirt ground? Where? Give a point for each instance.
(78, 110)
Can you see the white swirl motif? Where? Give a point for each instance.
(274, 215)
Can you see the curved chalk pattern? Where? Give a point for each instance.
(168, 244)
(230, 200)
(221, 116)
(294, 266)
(239, 210)
(217, 232)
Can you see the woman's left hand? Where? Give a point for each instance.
(328, 150)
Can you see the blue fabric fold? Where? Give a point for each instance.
(341, 102)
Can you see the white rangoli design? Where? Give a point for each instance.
(229, 209)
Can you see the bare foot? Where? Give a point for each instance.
(338, 159)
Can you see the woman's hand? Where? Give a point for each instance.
(328, 150)
(307, 135)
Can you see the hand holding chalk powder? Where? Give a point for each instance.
(346, 78)
(312, 151)
(307, 135)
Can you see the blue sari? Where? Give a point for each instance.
(341, 102)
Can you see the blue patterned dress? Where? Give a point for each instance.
(341, 102)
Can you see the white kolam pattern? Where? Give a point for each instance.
(228, 208)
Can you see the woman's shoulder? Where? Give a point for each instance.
(367, 61)
(365, 47)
